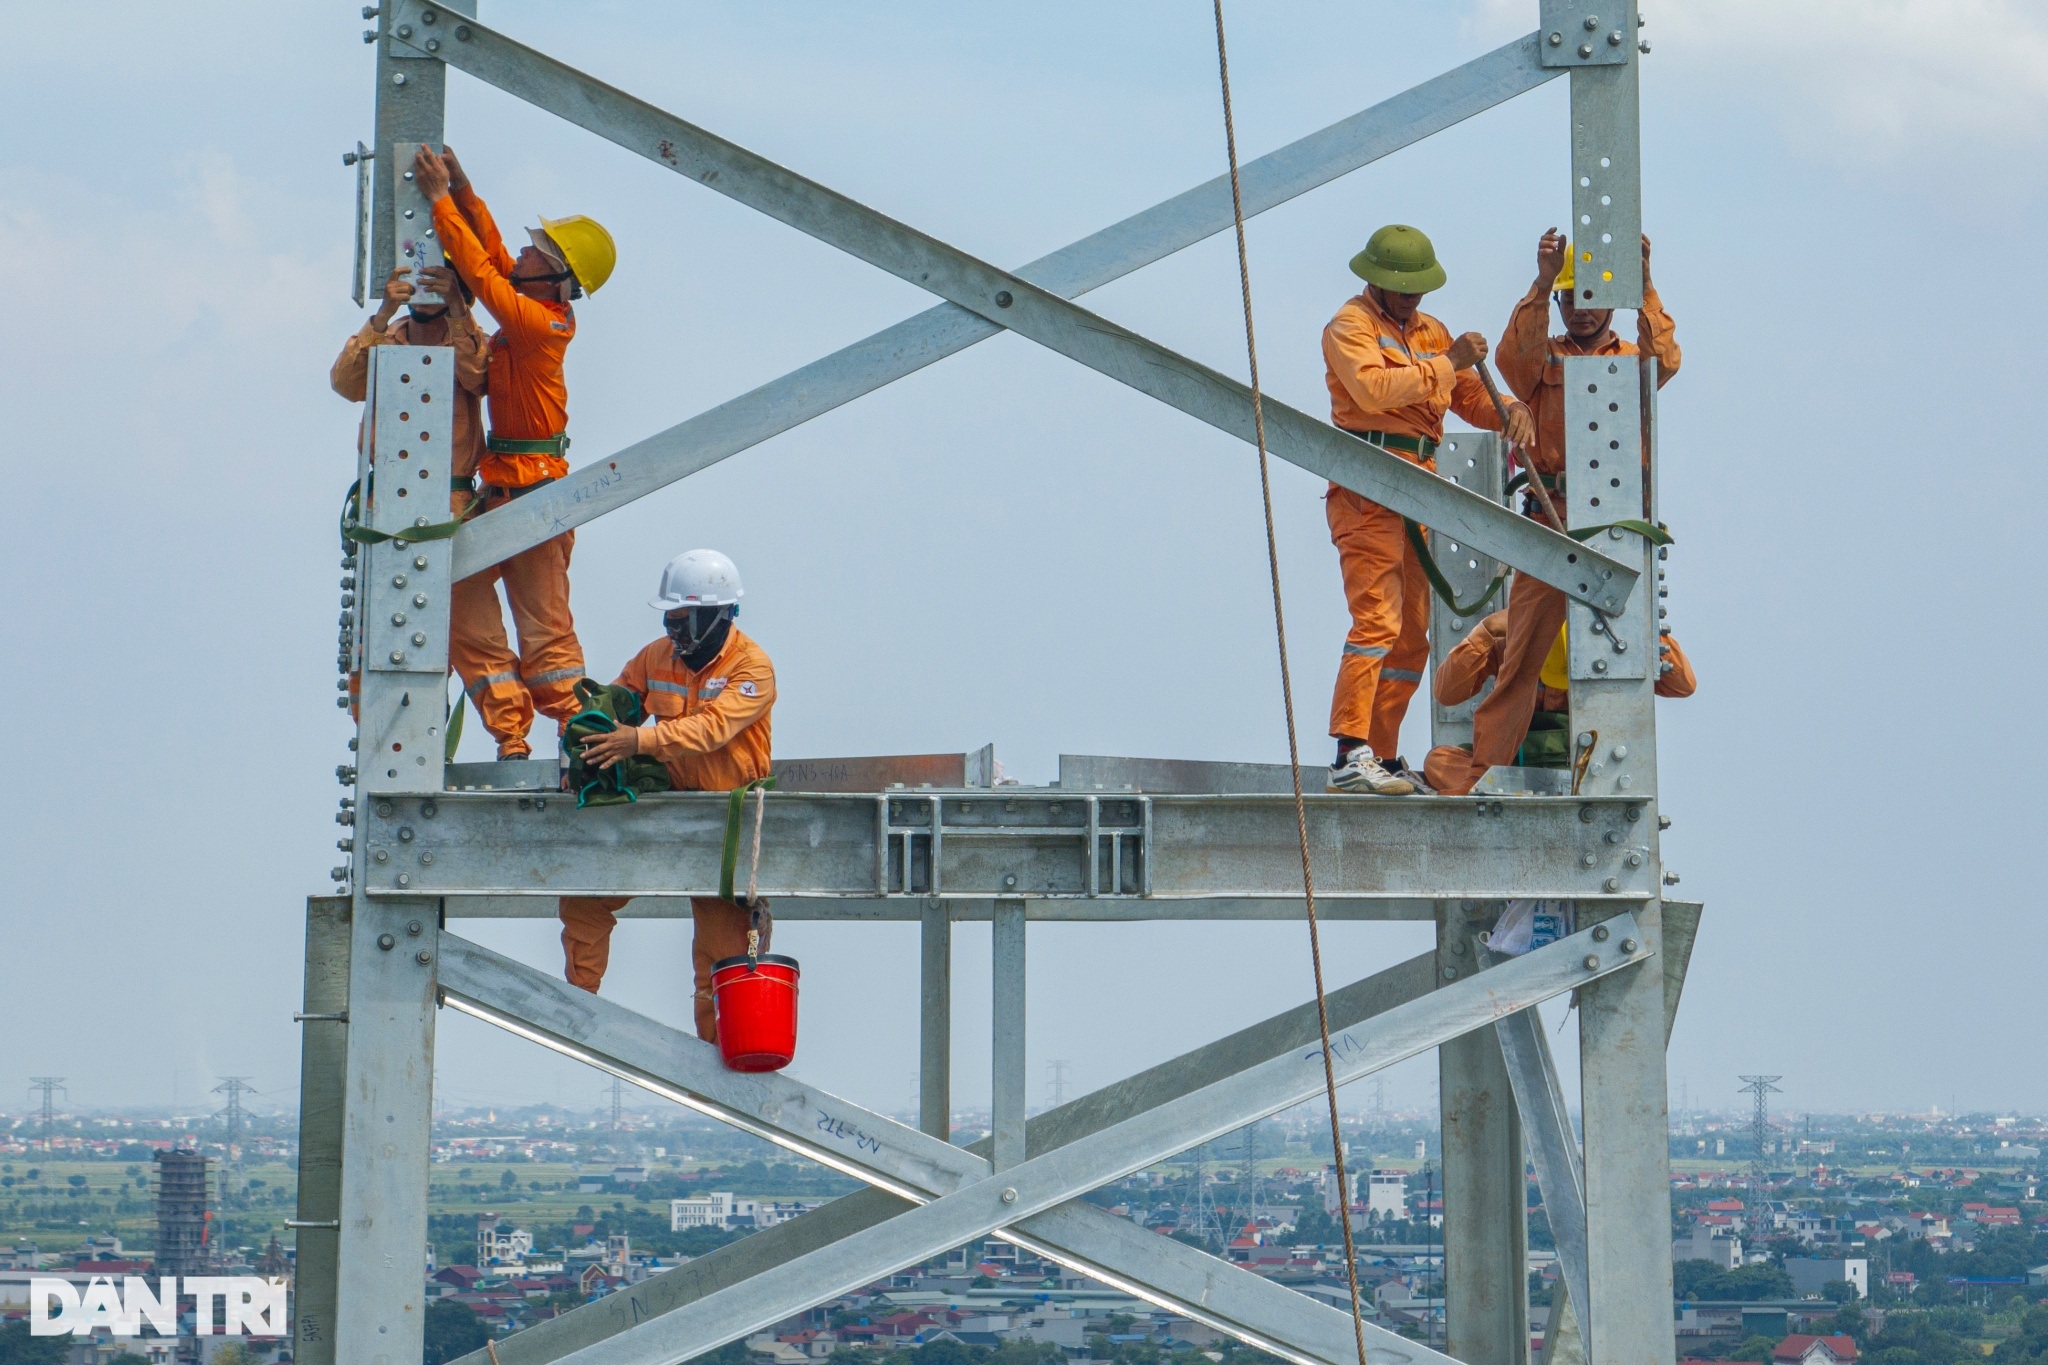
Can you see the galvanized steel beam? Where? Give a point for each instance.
(1039, 843)
(1039, 314)
(1042, 1182)
(917, 910)
(909, 346)
(323, 1081)
(872, 1147)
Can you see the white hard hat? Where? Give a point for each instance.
(698, 578)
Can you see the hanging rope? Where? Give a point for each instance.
(1308, 885)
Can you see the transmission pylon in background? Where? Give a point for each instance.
(49, 1086)
(1247, 1212)
(1759, 1124)
(1056, 1082)
(234, 1119)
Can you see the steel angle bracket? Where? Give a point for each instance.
(1046, 1181)
(1587, 32)
(1041, 315)
(894, 1157)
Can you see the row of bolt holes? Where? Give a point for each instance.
(407, 417)
(1586, 220)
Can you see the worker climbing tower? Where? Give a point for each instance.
(933, 840)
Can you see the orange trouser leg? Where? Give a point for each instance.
(484, 660)
(587, 923)
(1536, 612)
(1401, 673)
(1371, 548)
(721, 933)
(550, 656)
(1448, 768)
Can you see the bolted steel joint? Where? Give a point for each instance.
(1600, 933)
(386, 942)
(1629, 945)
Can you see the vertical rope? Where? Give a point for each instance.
(1308, 884)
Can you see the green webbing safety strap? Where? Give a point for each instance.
(506, 445)
(352, 531)
(1656, 535)
(729, 859)
(1436, 577)
(454, 728)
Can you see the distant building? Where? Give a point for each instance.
(1810, 1273)
(719, 1209)
(501, 1246)
(1704, 1244)
(1800, 1349)
(184, 1205)
(1386, 1194)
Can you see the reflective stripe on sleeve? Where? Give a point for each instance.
(554, 675)
(490, 680)
(1401, 674)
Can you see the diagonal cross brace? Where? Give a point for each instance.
(898, 1158)
(1046, 1181)
(910, 345)
(1579, 571)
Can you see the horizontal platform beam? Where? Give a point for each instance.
(910, 909)
(1036, 843)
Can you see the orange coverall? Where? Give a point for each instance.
(1531, 361)
(350, 377)
(529, 402)
(1465, 670)
(711, 732)
(1387, 378)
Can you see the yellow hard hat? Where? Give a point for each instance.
(584, 246)
(1556, 673)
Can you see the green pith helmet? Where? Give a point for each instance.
(1399, 258)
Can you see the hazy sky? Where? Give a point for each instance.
(1845, 199)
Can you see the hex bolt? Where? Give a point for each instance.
(397, 618)
(1460, 947)
(1621, 751)
(433, 44)
(1557, 40)
(339, 874)
(369, 36)
(1635, 860)
(405, 30)
(1592, 23)
(426, 860)
(1628, 945)
(344, 817)
(1670, 879)
(462, 33)
(384, 809)
(1592, 962)
(398, 78)
(345, 845)
(1450, 973)
(1009, 881)
(419, 561)
(419, 639)
(398, 656)
(428, 809)
(386, 942)
(1585, 812)
(423, 957)
(419, 599)
(1600, 932)
(1612, 885)
(380, 856)
(1614, 38)
(1009, 1196)
(1003, 299)
(1663, 822)
(1589, 859)
(1634, 814)
(405, 879)
(1599, 665)
(1585, 50)
(1643, 46)
(1612, 836)
(415, 928)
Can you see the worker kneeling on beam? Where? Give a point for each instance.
(708, 691)
(1546, 742)
(1532, 362)
(529, 298)
(1393, 373)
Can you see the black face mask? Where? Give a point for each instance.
(699, 633)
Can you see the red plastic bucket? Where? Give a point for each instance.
(756, 1000)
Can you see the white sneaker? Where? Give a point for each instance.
(1407, 774)
(1361, 772)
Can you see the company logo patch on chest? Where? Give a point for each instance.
(711, 687)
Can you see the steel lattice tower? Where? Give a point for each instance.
(49, 1086)
(1759, 1123)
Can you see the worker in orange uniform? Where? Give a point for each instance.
(708, 690)
(1544, 743)
(447, 323)
(1393, 373)
(529, 298)
(1532, 362)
